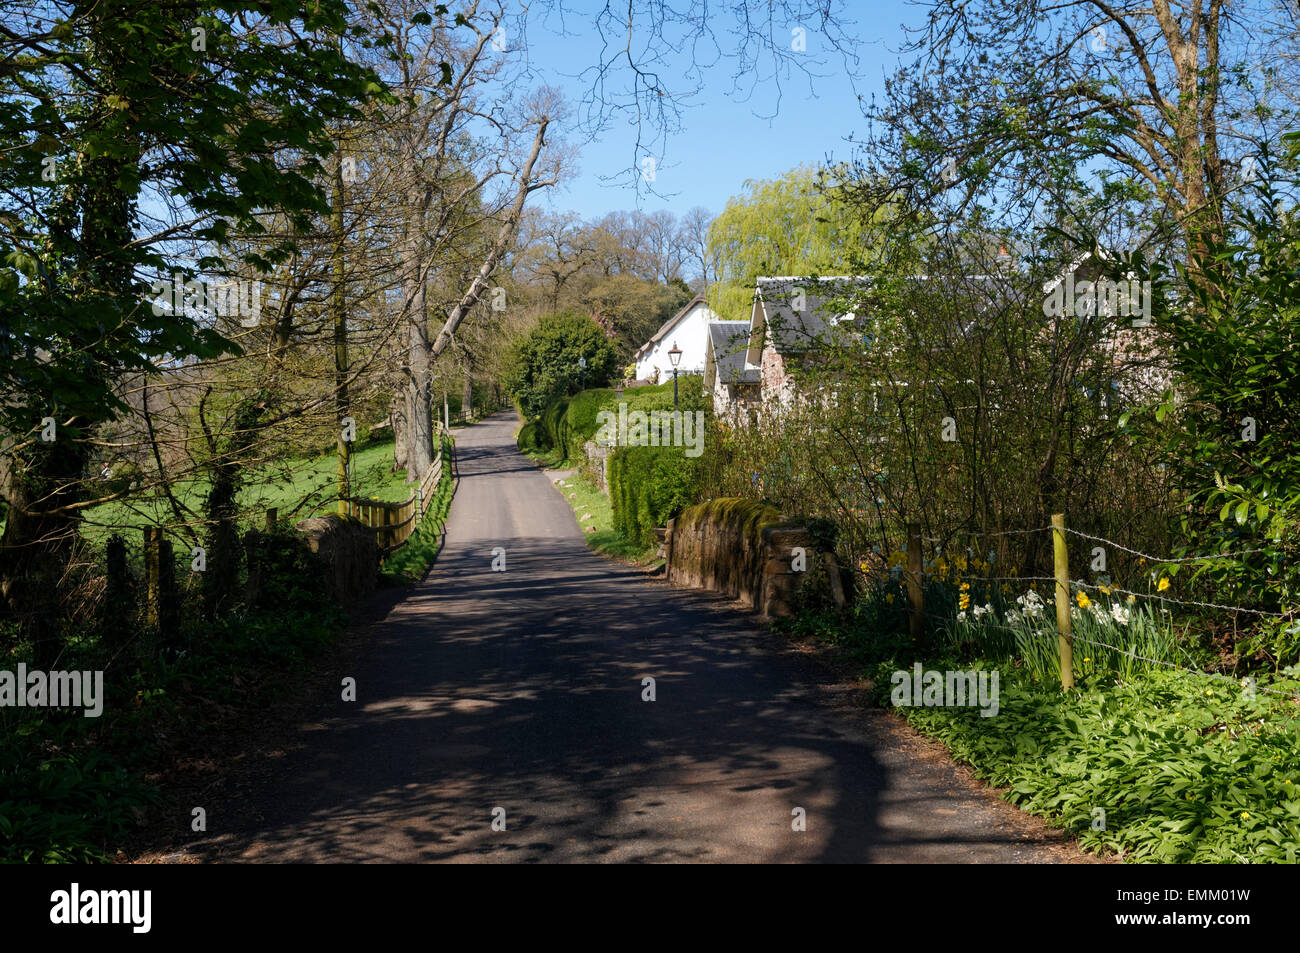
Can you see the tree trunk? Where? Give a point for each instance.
(399, 418)
(37, 542)
(339, 316)
(467, 395)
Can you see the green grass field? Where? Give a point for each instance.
(296, 488)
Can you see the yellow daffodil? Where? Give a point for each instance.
(1164, 584)
(1105, 589)
(1082, 598)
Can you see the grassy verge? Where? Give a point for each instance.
(1155, 765)
(409, 563)
(587, 500)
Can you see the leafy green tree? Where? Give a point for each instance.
(631, 309)
(221, 109)
(546, 362)
(1231, 423)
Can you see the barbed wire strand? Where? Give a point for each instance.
(1184, 602)
(1007, 532)
(1165, 560)
(1169, 560)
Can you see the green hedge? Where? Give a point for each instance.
(647, 485)
(530, 438)
(569, 422)
(650, 485)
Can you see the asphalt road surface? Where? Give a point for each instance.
(517, 697)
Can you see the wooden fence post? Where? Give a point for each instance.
(915, 588)
(833, 577)
(668, 548)
(151, 537)
(1065, 633)
(169, 599)
(270, 519)
(120, 598)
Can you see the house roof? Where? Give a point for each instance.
(727, 343)
(671, 323)
(792, 324)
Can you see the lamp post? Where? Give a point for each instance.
(582, 373)
(674, 357)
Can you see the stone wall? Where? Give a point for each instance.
(596, 464)
(741, 549)
(348, 552)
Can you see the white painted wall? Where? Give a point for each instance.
(691, 335)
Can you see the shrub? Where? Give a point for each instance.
(579, 423)
(568, 423)
(554, 428)
(531, 438)
(544, 365)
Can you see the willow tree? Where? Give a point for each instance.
(798, 224)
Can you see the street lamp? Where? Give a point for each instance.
(582, 373)
(675, 357)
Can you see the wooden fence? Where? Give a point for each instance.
(394, 523)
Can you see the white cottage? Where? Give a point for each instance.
(688, 330)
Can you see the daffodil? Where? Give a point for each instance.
(1081, 597)
(1164, 584)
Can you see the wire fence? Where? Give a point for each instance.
(918, 572)
(1129, 652)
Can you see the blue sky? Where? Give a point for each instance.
(725, 138)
